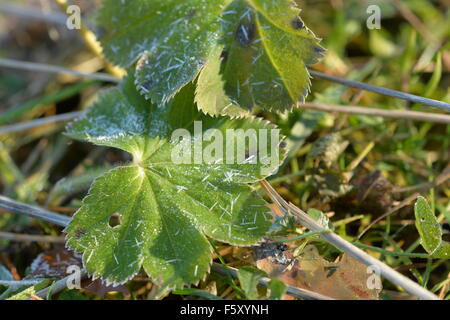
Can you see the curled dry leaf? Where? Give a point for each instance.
(346, 279)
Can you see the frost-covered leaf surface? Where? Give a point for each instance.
(170, 38)
(264, 50)
(430, 230)
(267, 50)
(165, 210)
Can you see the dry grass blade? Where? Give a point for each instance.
(33, 211)
(385, 113)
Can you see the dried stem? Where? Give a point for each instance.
(39, 122)
(305, 220)
(383, 91)
(290, 290)
(40, 67)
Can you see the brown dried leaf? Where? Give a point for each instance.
(346, 279)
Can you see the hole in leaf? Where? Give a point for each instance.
(114, 220)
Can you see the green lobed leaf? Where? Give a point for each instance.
(267, 49)
(430, 230)
(166, 209)
(248, 52)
